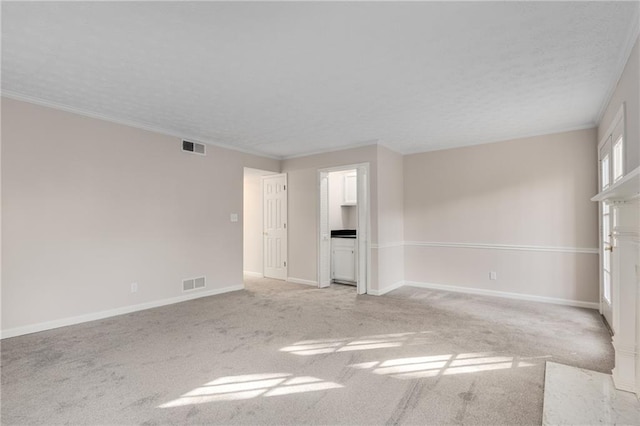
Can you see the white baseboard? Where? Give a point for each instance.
(34, 328)
(504, 294)
(622, 382)
(386, 289)
(253, 274)
(301, 281)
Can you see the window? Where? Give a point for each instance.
(611, 152)
(618, 171)
(605, 172)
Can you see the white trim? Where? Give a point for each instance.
(624, 191)
(552, 249)
(616, 120)
(387, 289)
(363, 228)
(622, 348)
(388, 245)
(622, 383)
(253, 274)
(363, 144)
(137, 125)
(34, 328)
(301, 281)
(368, 143)
(625, 54)
(504, 294)
(515, 247)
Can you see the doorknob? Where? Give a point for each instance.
(609, 248)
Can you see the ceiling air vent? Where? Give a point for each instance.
(194, 283)
(193, 147)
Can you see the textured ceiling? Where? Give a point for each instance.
(286, 79)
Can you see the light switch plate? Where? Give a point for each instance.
(234, 217)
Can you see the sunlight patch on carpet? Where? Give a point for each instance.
(382, 341)
(443, 365)
(235, 388)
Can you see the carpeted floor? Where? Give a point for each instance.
(281, 353)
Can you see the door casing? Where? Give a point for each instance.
(363, 230)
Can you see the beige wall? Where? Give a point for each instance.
(388, 254)
(527, 192)
(627, 91)
(91, 206)
(302, 176)
(386, 188)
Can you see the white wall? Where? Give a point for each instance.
(91, 206)
(527, 192)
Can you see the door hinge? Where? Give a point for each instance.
(285, 187)
(285, 263)
(285, 226)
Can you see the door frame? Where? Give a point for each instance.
(363, 229)
(607, 310)
(606, 307)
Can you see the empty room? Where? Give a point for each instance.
(352, 213)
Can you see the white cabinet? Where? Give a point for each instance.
(350, 189)
(343, 259)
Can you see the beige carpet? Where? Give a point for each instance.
(281, 353)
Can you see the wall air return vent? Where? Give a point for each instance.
(194, 147)
(194, 283)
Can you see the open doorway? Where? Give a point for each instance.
(253, 222)
(343, 252)
(343, 226)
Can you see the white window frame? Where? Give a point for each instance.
(608, 137)
(618, 158)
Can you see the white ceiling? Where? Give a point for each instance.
(285, 79)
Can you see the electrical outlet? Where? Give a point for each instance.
(493, 275)
(134, 287)
(233, 217)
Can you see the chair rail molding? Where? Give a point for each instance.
(513, 247)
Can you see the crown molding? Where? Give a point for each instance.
(130, 123)
(371, 142)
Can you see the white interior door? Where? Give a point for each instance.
(275, 226)
(606, 240)
(324, 249)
